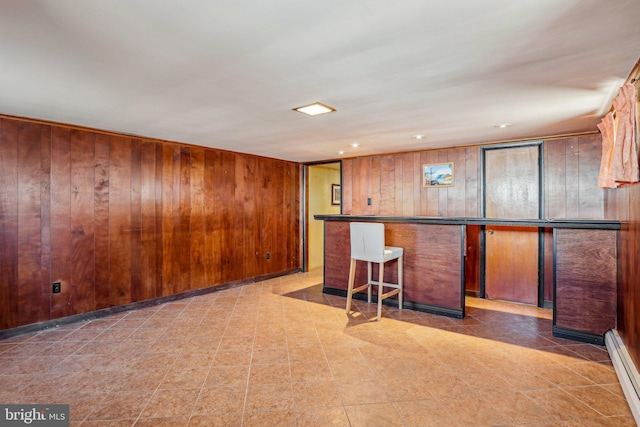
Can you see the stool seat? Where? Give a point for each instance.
(391, 253)
(367, 244)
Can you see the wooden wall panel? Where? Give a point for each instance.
(183, 195)
(148, 241)
(293, 192)
(212, 217)
(167, 221)
(45, 217)
(81, 287)
(472, 181)
(8, 223)
(227, 192)
(456, 195)
(197, 230)
(624, 203)
(590, 196)
(398, 193)
(555, 179)
(158, 229)
(30, 309)
(135, 230)
(101, 221)
(60, 219)
(119, 219)
(394, 182)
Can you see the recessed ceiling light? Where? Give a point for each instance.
(355, 145)
(418, 136)
(503, 125)
(340, 152)
(315, 109)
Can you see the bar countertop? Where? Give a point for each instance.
(545, 223)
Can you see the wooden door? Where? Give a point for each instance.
(512, 191)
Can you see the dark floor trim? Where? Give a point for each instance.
(84, 317)
(417, 306)
(570, 334)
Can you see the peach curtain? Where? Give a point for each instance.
(605, 180)
(625, 156)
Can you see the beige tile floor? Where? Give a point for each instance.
(279, 352)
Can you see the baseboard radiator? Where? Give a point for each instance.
(626, 371)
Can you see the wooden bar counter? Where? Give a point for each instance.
(584, 266)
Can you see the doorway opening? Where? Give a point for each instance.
(323, 195)
(511, 257)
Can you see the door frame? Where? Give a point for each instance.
(483, 150)
(305, 207)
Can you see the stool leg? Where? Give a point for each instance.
(380, 280)
(369, 278)
(352, 276)
(400, 271)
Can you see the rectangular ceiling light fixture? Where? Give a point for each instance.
(315, 109)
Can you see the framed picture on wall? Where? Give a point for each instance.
(335, 194)
(437, 175)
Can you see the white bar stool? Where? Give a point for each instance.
(367, 244)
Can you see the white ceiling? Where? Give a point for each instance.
(227, 73)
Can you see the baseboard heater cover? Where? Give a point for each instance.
(626, 370)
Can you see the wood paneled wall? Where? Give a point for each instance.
(119, 219)
(624, 204)
(394, 184)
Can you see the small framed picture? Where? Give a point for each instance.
(437, 175)
(335, 194)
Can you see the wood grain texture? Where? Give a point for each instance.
(119, 219)
(623, 203)
(472, 261)
(585, 280)
(512, 182)
(148, 250)
(81, 288)
(511, 265)
(60, 218)
(569, 192)
(183, 257)
(101, 221)
(197, 230)
(9, 223)
(432, 261)
(30, 310)
(135, 231)
(555, 179)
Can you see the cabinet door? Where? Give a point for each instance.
(511, 264)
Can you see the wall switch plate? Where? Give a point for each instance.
(268, 256)
(56, 287)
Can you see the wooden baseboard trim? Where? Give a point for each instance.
(97, 314)
(570, 334)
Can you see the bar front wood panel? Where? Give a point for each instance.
(585, 273)
(119, 219)
(432, 261)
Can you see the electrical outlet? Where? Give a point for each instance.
(369, 201)
(56, 287)
(268, 256)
